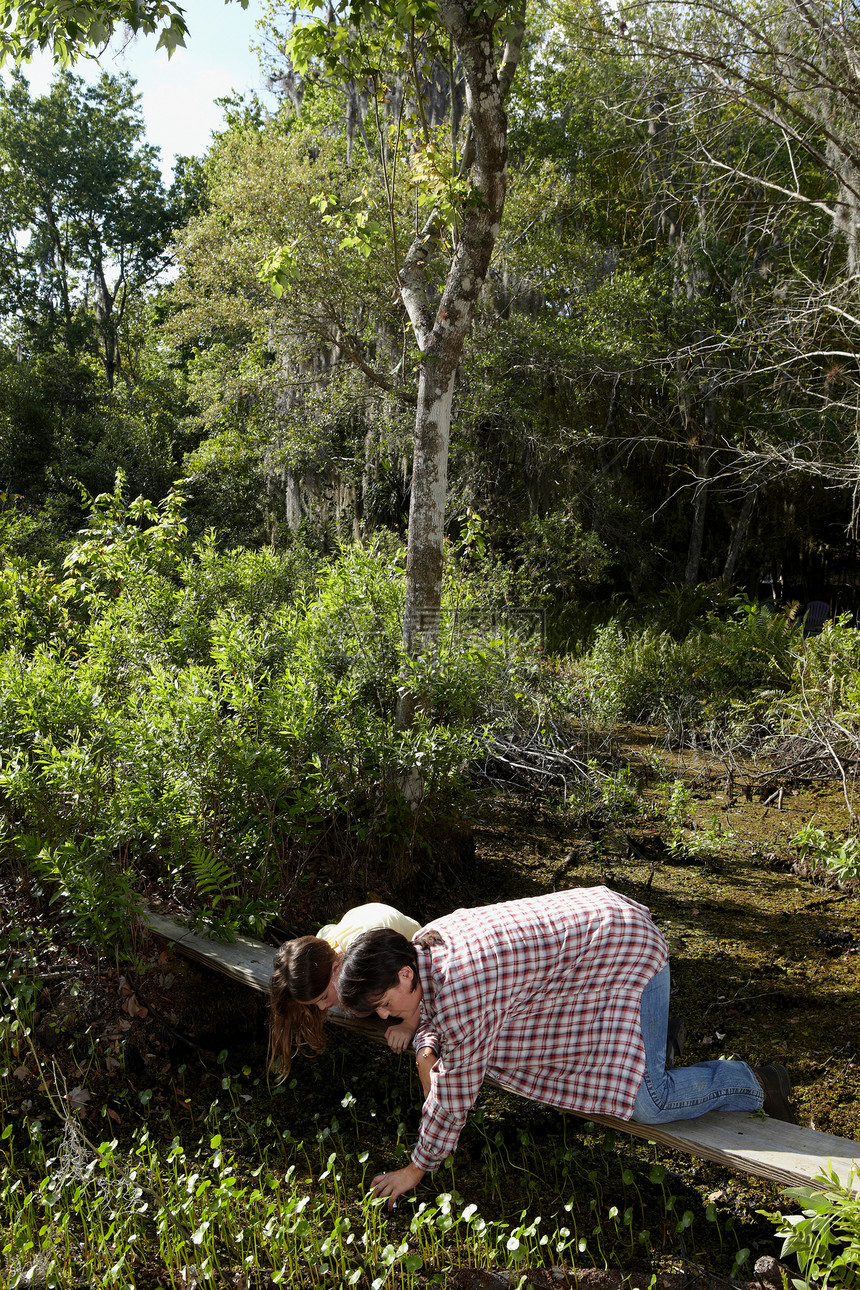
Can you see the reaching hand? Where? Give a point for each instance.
(398, 1037)
(393, 1185)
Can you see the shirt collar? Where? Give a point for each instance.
(425, 976)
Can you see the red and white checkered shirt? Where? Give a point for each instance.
(541, 995)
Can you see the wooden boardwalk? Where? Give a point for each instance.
(785, 1153)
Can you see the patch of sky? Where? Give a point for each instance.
(178, 95)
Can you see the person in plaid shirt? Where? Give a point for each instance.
(562, 998)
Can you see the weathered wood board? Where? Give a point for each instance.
(755, 1144)
(244, 960)
(247, 961)
(785, 1153)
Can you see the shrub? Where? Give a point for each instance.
(823, 857)
(216, 719)
(650, 676)
(810, 730)
(825, 1237)
(824, 688)
(32, 607)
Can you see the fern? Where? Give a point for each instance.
(213, 877)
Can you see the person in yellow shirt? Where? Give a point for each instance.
(304, 986)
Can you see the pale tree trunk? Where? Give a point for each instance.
(427, 506)
(703, 385)
(59, 260)
(440, 334)
(687, 283)
(697, 533)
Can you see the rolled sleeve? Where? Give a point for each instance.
(426, 1036)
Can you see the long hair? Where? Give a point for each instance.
(371, 966)
(302, 972)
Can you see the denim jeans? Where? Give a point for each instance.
(688, 1091)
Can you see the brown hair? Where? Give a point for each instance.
(302, 972)
(371, 966)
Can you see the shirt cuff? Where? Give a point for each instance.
(428, 1163)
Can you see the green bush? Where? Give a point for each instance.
(62, 430)
(809, 727)
(822, 856)
(214, 720)
(650, 676)
(32, 607)
(825, 1237)
(824, 682)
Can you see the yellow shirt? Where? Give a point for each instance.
(365, 918)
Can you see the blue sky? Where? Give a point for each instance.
(178, 95)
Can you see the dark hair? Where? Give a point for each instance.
(371, 966)
(302, 972)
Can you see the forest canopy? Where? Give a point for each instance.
(658, 382)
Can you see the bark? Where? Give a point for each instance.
(441, 333)
(355, 113)
(603, 446)
(104, 309)
(57, 238)
(658, 172)
(739, 535)
(697, 535)
(700, 506)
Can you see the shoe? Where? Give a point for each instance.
(776, 1087)
(676, 1038)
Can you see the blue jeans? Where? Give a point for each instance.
(688, 1091)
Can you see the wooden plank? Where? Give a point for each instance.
(244, 960)
(785, 1153)
(247, 961)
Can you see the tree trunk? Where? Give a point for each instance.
(739, 534)
(57, 238)
(104, 303)
(700, 507)
(440, 336)
(427, 508)
(697, 535)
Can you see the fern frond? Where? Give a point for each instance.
(213, 876)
